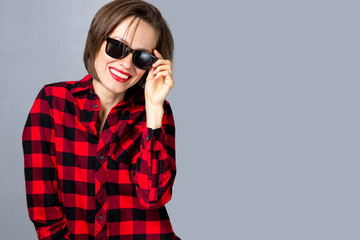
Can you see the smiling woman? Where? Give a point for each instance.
(116, 75)
(100, 152)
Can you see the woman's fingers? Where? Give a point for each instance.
(162, 68)
(161, 78)
(161, 60)
(157, 54)
(165, 74)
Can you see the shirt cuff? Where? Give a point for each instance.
(153, 139)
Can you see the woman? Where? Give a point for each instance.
(100, 152)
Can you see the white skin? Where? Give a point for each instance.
(158, 83)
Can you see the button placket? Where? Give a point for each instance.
(101, 175)
(102, 156)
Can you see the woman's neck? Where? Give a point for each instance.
(107, 98)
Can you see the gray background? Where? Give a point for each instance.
(266, 108)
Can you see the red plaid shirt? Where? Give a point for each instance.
(81, 185)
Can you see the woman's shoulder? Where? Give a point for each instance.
(64, 87)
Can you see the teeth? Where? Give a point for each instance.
(119, 74)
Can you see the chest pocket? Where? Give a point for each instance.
(125, 146)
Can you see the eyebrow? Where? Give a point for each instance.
(127, 43)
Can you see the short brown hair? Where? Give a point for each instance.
(111, 15)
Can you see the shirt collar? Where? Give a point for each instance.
(83, 85)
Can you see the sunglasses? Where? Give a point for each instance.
(116, 49)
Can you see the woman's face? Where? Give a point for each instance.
(118, 75)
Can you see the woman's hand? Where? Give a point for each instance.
(159, 81)
(158, 84)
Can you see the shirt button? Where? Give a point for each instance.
(147, 138)
(101, 217)
(96, 106)
(101, 157)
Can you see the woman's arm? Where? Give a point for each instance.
(41, 183)
(155, 167)
(154, 171)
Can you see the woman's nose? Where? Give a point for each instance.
(126, 62)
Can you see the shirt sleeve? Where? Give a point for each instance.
(155, 169)
(41, 183)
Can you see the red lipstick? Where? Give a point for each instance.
(119, 75)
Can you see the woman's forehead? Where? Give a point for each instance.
(136, 33)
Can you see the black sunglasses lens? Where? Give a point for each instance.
(143, 60)
(119, 50)
(115, 49)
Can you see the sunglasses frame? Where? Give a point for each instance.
(127, 51)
